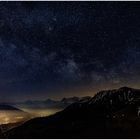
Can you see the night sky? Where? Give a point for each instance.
(50, 48)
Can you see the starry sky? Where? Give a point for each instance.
(60, 49)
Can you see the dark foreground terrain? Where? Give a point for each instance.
(109, 114)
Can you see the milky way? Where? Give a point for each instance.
(53, 45)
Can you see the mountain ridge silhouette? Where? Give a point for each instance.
(109, 114)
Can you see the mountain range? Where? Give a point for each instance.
(47, 104)
(109, 114)
(8, 107)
